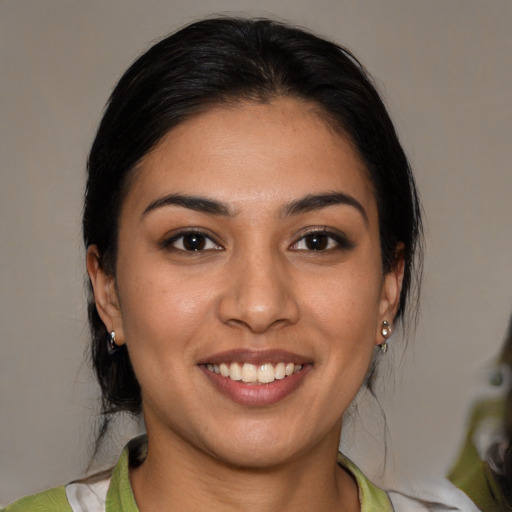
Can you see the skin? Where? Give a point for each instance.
(256, 285)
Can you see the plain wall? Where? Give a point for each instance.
(444, 68)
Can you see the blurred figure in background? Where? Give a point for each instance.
(483, 469)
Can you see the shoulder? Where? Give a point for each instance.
(433, 497)
(438, 495)
(52, 500)
(109, 490)
(74, 497)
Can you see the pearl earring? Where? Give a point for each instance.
(111, 343)
(386, 333)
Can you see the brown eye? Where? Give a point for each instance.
(321, 240)
(191, 241)
(316, 241)
(194, 242)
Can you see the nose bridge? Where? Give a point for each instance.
(258, 294)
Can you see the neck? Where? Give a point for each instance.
(312, 481)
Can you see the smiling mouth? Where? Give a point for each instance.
(256, 374)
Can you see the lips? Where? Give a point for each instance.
(256, 378)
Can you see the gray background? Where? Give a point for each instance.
(444, 69)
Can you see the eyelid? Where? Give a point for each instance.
(175, 235)
(342, 240)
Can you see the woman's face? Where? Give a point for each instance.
(249, 289)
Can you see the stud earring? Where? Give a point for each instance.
(386, 333)
(111, 343)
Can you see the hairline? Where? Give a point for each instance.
(233, 101)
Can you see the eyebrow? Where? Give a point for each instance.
(304, 204)
(313, 202)
(197, 203)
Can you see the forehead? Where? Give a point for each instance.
(251, 154)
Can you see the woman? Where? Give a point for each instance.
(252, 226)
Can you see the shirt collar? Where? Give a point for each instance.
(120, 494)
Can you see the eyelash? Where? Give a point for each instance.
(340, 240)
(207, 238)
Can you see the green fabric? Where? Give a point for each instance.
(120, 496)
(371, 497)
(53, 500)
(470, 473)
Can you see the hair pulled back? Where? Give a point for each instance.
(226, 60)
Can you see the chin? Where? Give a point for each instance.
(254, 459)
(258, 448)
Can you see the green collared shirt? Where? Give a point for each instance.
(119, 496)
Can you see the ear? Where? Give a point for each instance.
(105, 295)
(391, 291)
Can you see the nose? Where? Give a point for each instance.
(259, 294)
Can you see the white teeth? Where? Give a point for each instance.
(280, 371)
(266, 373)
(250, 373)
(224, 370)
(235, 372)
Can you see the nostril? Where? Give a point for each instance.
(258, 295)
(259, 318)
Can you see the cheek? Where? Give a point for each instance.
(163, 319)
(347, 301)
(345, 313)
(160, 308)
